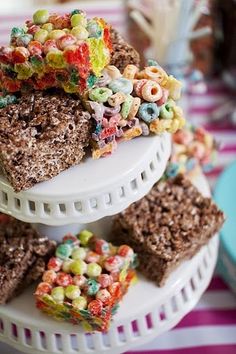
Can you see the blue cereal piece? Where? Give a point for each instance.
(148, 112)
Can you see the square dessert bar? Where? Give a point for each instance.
(42, 135)
(23, 256)
(167, 226)
(85, 281)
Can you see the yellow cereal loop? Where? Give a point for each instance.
(130, 71)
(156, 73)
(174, 86)
(132, 133)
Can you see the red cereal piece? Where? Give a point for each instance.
(55, 264)
(95, 307)
(107, 37)
(64, 279)
(49, 46)
(69, 237)
(65, 41)
(115, 290)
(125, 251)
(138, 86)
(33, 29)
(113, 263)
(79, 280)
(35, 48)
(92, 257)
(6, 55)
(107, 132)
(20, 55)
(79, 57)
(43, 288)
(11, 85)
(163, 99)
(101, 246)
(105, 280)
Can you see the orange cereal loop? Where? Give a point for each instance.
(141, 75)
(151, 91)
(157, 74)
(130, 71)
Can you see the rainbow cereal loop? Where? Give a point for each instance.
(86, 280)
(66, 51)
(193, 148)
(133, 104)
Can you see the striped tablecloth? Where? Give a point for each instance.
(211, 327)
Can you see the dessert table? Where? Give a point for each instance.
(211, 326)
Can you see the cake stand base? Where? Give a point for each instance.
(146, 311)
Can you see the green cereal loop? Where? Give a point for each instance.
(126, 106)
(100, 94)
(166, 111)
(91, 80)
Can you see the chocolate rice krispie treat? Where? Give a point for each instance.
(167, 226)
(23, 256)
(43, 134)
(123, 54)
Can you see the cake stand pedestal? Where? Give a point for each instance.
(146, 311)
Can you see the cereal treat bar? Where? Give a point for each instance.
(167, 226)
(23, 256)
(125, 106)
(85, 281)
(51, 50)
(43, 134)
(194, 150)
(123, 54)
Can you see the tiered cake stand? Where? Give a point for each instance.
(86, 194)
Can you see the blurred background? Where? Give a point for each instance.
(196, 41)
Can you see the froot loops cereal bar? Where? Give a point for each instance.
(194, 149)
(131, 104)
(85, 281)
(67, 51)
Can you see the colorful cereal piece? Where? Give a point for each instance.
(117, 99)
(151, 91)
(156, 73)
(92, 257)
(49, 46)
(104, 296)
(78, 19)
(130, 71)
(43, 288)
(78, 267)
(93, 270)
(166, 111)
(49, 276)
(84, 237)
(113, 263)
(134, 108)
(148, 112)
(40, 17)
(64, 279)
(80, 33)
(138, 85)
(101, 247)
(113, 72)
(79, 280)
(35, 48)
(121, 85)
(65, 41)
(20, 55)
(126, 106)
(80, 303)
(78, 253)
(72, 292)
(95, 307)
(41, 36)
(100, 94)
(125, 251)
(92, 287)
(55, 264)
(66, 265)
(63, 251)
(105, 280)
(58, 294)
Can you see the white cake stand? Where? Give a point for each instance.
(146, 310)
